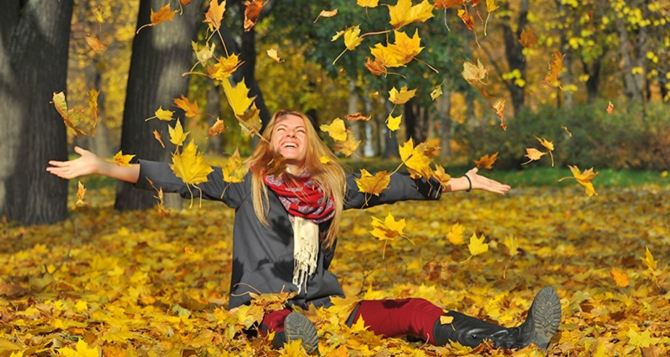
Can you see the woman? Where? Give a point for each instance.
(287, 211)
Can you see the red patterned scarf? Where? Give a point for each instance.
(303, 198)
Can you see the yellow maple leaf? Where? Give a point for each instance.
(82, 120)
(335, 129)
(430, 147)
(584, 179)
(203, 53)
(81, 191)
(477, 245)
(512, 245)
(399, 53)
(404, 13)
(641, 339)
(533, 154)
(620, 277)
(549, 146)
(373, 184)
(234, 170)
(293, 349)
(367, 3)
(164, 14)
(191, 109)
(121, 159)
(190, 166)
(177, 135)
(163, 114)
(82, 349)
(455, 234)
(348, 146)
(244, 108)
(417, 163)
(224, 67)
(393, 123)
(359, 326)
(325, 159)
(442, 176)
(214, 14)
(446, 319)
(649, 259)
(474, 74)
(436, 92)
(388, 229)
(487, 161)
(491, 5)
(402, 96)
(272, 53)
(352, 37)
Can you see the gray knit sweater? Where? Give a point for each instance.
(263, 255)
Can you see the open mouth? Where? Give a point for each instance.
(289, 146)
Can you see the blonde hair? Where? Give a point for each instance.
(265, 161)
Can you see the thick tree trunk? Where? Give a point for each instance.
(160, 55)
(34, 39)
(633, 82)
(514, 54)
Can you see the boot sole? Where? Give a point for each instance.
(546, 312)
(298, 327)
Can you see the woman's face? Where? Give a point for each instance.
(289, 138)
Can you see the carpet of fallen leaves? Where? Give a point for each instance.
(141, 283)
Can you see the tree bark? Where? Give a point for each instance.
(160, 55)
(514, 54)
(34, 39)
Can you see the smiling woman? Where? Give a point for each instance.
(287, 213)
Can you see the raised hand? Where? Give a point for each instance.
(87, 164)
(482, 183)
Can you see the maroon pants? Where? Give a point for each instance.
(389, 318)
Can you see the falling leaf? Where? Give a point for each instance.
(512, 245)
(551, 79)
(348, 146)
(234, 170)
(95, 44)
(164, 14)
(468, 21)
(499, 107)
(442, 176)
(325, 159)
(352, 37)
(367, 3)
(203, 53)
(446, 319)
(190, 166)
(620, 277)
(375, 67)
(163, 114)
(448, 4)
(82, 120)
(402, 96)
(649, 259)
(326, 13)
(335, 129)
(491, 5)
(122, 160)
(477, 245)
(252, 9)
(244, 108)
(610, 108)
(358, 116)
(487, 161)
(393, 123)
(272, 53)
(533, 154)
(214, 14)
(177, 135)
(567, 131)
(528, 38)
(191, 109)
(584, 179)
(158, 137)
(81, 191)
(373, 184)
(549, 146)
(417, 163)
(399, 53)
(455, 234)
(216, 128)
(224, 67)
(474, 74)
(404, 13)
(388, 229)
(436, 92)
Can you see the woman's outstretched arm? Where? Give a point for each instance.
(90, 164)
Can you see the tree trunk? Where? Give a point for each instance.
(390, 138)
(248, 70)
(34, 39)
(160, 55)
(214, 143)
(633, 83)
(592, 84)
(514, 54)
(444, 110)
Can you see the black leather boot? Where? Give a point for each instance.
(540, 326)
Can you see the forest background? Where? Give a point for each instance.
(520, 87)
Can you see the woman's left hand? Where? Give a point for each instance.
(482, 183)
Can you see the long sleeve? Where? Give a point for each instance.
(160, 174)
(401, 188)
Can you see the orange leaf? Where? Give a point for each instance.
(95, 44)
(375, 67)
(620, 277)
(357, 116)
(528, 38)
(499, 107)
(467, 19)
(610, 108)
(214, 14)
(447, 4)
(165, 13)
(252, 9)
(554, 72)
(487, 161)
(157, 136)
(216, 128)
(190, 109)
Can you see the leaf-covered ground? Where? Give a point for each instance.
(139, 283)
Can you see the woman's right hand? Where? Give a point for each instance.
(87, 164)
